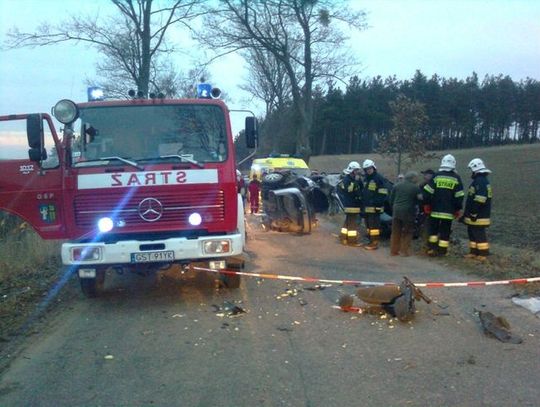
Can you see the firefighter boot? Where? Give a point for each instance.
(373, 239)
(343, 236)
(473, 252)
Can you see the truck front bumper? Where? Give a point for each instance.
(152, 251)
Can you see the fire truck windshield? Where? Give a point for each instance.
(146, 134)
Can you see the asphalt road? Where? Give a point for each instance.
(143, 344)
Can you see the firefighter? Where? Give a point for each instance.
(477, 210)
(444, 195)
(350, 193)
(374, 197)
(254, 189)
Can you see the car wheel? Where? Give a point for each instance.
(273, 178)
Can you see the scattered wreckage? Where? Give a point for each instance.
(396, 300)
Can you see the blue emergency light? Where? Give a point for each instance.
(204, 91)
(95, 93)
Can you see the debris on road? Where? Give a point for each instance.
(396, 300)
(109, 357)
(497, 327)
(228, 309)
(318, 287)
(289, 292)
(531, 303)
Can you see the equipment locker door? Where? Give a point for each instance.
(32, 189)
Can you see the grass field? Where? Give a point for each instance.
(515, 180)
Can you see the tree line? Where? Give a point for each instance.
(296, 52)
(458, 113)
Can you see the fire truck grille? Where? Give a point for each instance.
(138, 209)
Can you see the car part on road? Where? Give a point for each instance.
(398, 301)
(228, 309)
(497, 327)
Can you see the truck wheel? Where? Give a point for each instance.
(93, 287)
(231, 281)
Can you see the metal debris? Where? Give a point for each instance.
(318, 287)
(531, 303)
(497, 327)
(228, 309)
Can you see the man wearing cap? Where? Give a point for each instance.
(477, 210)
(444, 193)
(374, 196)
(349, 190)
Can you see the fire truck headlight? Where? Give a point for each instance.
(217, 246)
(65, 111)
(195, 219)
(105, 225)
(86, 253)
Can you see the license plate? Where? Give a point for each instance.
(151, 257)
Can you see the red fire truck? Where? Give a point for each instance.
(137, 184)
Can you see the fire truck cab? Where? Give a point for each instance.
(139, 183)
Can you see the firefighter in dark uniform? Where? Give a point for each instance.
(478, 210)
(374, 197)
(444, 195)
(350, 193)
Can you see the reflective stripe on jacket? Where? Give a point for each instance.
(350, 193)
(445, 194)
(375, 193)
(478, 201)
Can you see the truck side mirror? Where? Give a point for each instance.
(35, 136)
(252, 132)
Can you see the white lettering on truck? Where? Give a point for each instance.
(147, 178)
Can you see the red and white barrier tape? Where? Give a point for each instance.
(369, 283)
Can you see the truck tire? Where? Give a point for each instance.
(93, 287)
(233, 280)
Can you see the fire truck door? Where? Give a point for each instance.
(31, 173)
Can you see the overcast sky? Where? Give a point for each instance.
(450, 38)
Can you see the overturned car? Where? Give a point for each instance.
(291, 202)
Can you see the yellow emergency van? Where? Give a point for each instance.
(262, 166)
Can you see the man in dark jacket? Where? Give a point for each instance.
(374, 197)
(444, 194)
(350, 193)
(404, 203)
(478, 210)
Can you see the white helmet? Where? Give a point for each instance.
(353, 165)
(477, 165)
(448, 163)
(367, 164)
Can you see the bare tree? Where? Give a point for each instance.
(303, 36)
(132, 42)
(267, 79)
(406, 139)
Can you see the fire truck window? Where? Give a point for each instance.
(148, 132)
(14, 144)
